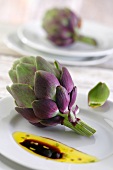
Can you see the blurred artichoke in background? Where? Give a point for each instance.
(62, 27)
(45, 94)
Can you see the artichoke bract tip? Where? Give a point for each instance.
(45, 94)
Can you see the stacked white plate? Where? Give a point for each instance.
(30, 39)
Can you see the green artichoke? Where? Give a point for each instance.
(62, 27)
(45, 94)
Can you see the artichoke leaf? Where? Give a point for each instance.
(9, 90)
(52, 121)
(58, 66)
(66, 80)
(42, 64)
(98, 95)
(25, 73)
(23, 95)
(13, 75)
(15, 64)
(45, 85)
(45, 108)
(28, 114)
(73, 96)
(62, 99)
(28, 60)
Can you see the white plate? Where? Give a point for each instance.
(33, 35)
(13, 42)
(99, 145)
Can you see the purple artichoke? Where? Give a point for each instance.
(45, 94)
(62, 27)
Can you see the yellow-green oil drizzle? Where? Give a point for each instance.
(51, 149)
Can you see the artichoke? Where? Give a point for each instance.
(45, 94)
(62, 27)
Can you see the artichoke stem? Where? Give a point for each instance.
(80, 128)
(86, 40)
